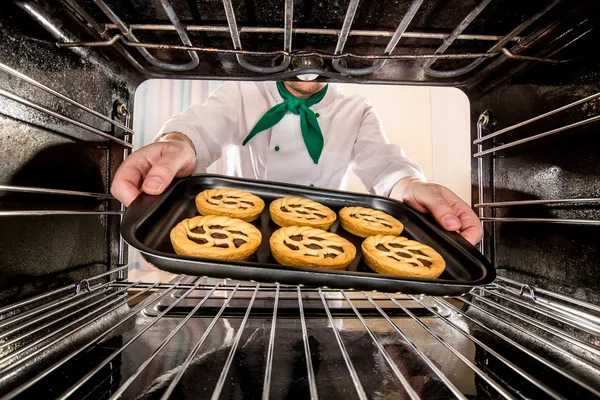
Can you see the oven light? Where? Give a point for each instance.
(300, 63)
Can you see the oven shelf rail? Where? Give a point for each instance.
(567, 325)
(127, 38)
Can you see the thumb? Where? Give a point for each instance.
(441, 210)
(173, 162)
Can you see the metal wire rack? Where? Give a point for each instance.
(127, 38)
(547, 342)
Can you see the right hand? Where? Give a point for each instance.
(152, 168)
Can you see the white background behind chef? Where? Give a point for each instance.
(431, 125)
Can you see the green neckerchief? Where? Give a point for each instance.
(311, 132)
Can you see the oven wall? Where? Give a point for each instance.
(40, 252)
(561, 257)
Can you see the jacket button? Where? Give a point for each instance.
(311, 185)
(276, 148)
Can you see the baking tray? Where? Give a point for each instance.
(148, 221)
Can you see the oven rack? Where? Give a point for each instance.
(485, 121)
(499, 52)
(520, 316)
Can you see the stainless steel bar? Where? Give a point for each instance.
(495, 333)
(457, 32)
(536, 118)
(495, 48)
(24, 386)
(402, 26)
(309, 367)
(237, 43)
(308, 31)
(236, 342)
(51, 293)
(122, 26)
(14, 72)
(541, 339)
(196, 348)
(560, 296)
(348, 19)
(545, 220)
(587, 325)
(36, 190)
(269, 361)
(455, 391)
(27, 315)
(502, 359)
(481, 122)
(126, 152)
(78, 299)
(537, 202)
(54, 321)
(88, 128)
(541, 325)
(457, 353)
(165, 341)
(355, 378)
(38, 213)
(538, 136)
(405, 383)
(567, 311)
(118, 351)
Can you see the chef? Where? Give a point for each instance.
(306, 133)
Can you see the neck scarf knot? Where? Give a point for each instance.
(311, 132)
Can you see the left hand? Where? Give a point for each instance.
(447, 208)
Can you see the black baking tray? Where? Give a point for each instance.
(148, 221)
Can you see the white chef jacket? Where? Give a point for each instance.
(353, 138)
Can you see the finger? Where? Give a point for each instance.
(439, 207)
(470, 228)
(128, 178)
(171, 163)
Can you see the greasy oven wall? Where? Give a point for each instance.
(563, 257)
(36, 150)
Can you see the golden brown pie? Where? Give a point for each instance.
(397, 255)
(298, 211)
(231, 203)
(364, 222)
(304, 246)
(215, 237)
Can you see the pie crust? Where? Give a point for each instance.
(215, 237)
(397, 255)
(364, 222)
(304, 246)
(298, 211)
(231, 203)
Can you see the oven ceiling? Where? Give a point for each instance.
(443, 42)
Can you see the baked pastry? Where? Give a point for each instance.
(215, 237)
(231, 203)
(397, 255)
(298, 211)
(304, 246)
(364, 222)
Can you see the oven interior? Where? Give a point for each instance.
(74, 325)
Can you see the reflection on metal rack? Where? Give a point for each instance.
(537, 202)
(499, 46)
(496, 300)
(36, 190)
(39, 213)
(13, 72)
(128, 38)
(88, 128)
(545, 220)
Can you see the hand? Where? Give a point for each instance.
(447, 208)
(152, 168)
